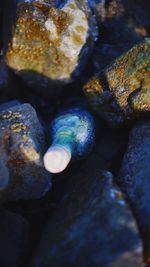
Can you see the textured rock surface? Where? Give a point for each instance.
(134, 179)
(14, 238)
(48, 42)
(21, 148)
(92, 225)
(121, 91)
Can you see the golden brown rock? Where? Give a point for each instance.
(121, 91)
(47, 42)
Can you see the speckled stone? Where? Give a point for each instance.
(22, 145)
(120, 92)
(48, 43)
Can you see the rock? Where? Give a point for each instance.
(134, 179)
(14, 233)
(92, 225)
(120, 92)
(123, 21)
(9, 104)
(49, 45)
(22, 145)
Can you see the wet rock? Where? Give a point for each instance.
(49, 45)
(120, 92)
(134, 179)
(92, 225)
(123, 21)
(22, 145)
(14, 238)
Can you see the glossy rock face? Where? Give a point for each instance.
(47, 42)
(121, 91)
(75, 130)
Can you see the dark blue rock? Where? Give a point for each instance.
(134, 179)
(92, 225)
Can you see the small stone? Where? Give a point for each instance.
(22, 145)
(120, 92)
(92, 225)
(46, 46)
(134, 179)
(14, 238)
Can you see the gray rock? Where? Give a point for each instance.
(22, 145)
(14, 238)
(92, 225)
(134, 179)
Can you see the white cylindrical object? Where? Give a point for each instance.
(57, 158)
